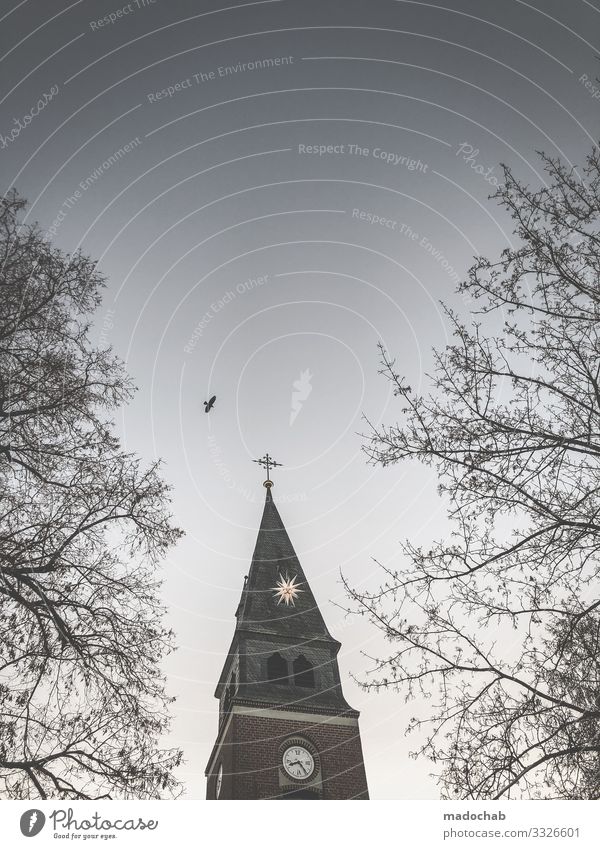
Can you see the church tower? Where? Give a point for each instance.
(285, 729)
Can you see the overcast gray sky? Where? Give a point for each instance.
(272, 188)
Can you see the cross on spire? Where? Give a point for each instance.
(268, 462)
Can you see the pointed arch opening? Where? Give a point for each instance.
(304, 674)
(277, 669)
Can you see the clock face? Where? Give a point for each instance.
(219, 781)
(298, 762)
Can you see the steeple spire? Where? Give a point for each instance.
(275, 563)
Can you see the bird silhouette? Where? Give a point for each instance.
(208, 405)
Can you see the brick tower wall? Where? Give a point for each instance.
(251, 758)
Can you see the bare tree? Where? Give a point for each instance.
(499, 625)
(82, 528)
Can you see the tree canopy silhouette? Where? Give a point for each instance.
(83, 525)
(499, 625)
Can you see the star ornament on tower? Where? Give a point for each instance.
(287, 590)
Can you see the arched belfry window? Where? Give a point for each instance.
(277, 669)
(304, 674)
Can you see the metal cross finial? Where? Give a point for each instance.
(269, 463)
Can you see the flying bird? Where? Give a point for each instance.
(208, 405)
